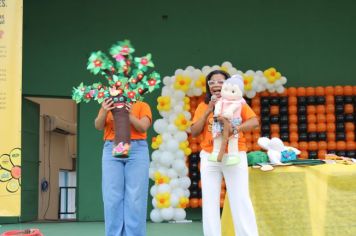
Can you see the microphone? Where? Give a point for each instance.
(213, 98)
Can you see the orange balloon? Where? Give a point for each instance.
(319, 91)
(320, 109)
(257, 110)
(312, 146)
(330, 108)
(329, 90)
(348, 90)
(256, 147)
(275, 135)
(330, 136)
(293, 128)
(274, 110)
(354, 89)
(293, 119)
(256, 101)
(303, 146)
(293, 137)
(350, 146)
(286, 144)
(330, 127)
(311, 109)
(223, 184)
(321, 118)
(222, 193)
(194, 202)
(331, 145)
(321, 154)
(301, 91)
(274, 128)
(350, 136)
(349, 108)
(292, 91)
(222, 203)
(311, 118)
(292, 110)
(349, 126)
(248, 137)
(341, 145)
(330, 100)
(311, 127)
(294, 144)
(321, 127)
(303, 155)
(194, 147)
(338, 90)
(292, 101)
(310, 91)
(322, 145)
(330, 118)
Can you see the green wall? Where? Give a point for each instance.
(310, 42)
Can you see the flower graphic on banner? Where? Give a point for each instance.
(10, 170)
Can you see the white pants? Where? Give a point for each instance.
(236, 179)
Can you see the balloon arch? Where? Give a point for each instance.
(175, 150)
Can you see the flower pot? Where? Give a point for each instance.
(121, 148)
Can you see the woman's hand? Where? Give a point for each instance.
(108, 104)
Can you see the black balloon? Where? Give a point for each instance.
(302, 128)
(340, 127)
(265, 120)
(339, 109)
(283, 101)
(303, 137)
(313, 155)
(302, 110)
(340, 136)
(283, 119)
(320, 100)
(339, 100)
(341, 153)
(264, 102)
(284, 128)
(274, 119)
(194, 175)
(265, 111)
(311, 100)
(285, 137)
(274, 101)
(265, 129)
(302, 101)
(193, 166)
(351, 154)
(302, 119)
(349, 117)
(283, 110)
(194, 157)
(348, 99)
(322, 136)
(312, 136)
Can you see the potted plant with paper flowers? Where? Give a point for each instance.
(127, 80)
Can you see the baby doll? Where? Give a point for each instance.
(228, 106)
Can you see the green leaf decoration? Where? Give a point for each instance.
(122, 72)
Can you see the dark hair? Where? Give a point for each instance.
(208, 77)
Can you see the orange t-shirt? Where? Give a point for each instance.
(207, 141)
(139, 110)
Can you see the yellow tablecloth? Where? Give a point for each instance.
(303, 201)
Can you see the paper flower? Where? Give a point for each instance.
(161, 179)
(186, 103)
(98, 62)
(164, 103)
(10, 170)
(181, 122)
(248, 79)
(121, 149)
(156, 142)
(153, 81)
(182, 82)
(163, 200)
(200, 83)
(183, 202)
(143, 63)
(272, 75)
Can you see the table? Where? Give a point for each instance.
(301, 200)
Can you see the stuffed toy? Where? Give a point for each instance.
(276, 151)
(228, 106)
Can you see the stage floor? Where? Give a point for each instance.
(97, 228)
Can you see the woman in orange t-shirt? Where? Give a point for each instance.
(125, 180)
(236, 176)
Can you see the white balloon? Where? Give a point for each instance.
(166, 159)
(174, 183)
(164, 188)
(167, 80)
(151, 172)
(172, 145)
(179, 154)
(174, 200)
(185, 182)
(190, 68)
(187, 115)
(280, 89)
(172, 174)
(226, 64)
(162, 170)
(155, 155)
(155, 216)
(186, 193)
(178, 94)
(178, 72)
(180, 136)
(172, 128)
(183, 172)
(153, 190)
(178, 109)
(160, 126)
(179, 214)
(154, 202)
(167, 213)
(166, 136)
(178, 192)
(179, 165)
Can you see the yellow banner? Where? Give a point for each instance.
(11, 13)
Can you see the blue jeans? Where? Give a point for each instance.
(125, 190)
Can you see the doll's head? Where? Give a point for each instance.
(233, 88)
